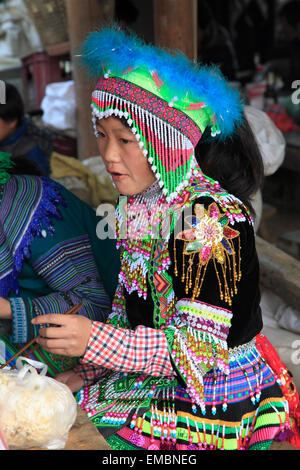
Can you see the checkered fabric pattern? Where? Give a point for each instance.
(143, 350)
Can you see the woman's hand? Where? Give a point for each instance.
(72, 380)
(5, 309)
(71, 336)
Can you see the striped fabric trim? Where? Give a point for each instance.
(19, 320)
(236, 388)
(259, 427)
(67, 263)
(29, 203)
(205, 317)
(70, 272)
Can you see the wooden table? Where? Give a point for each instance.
(282, 446)
(84, 435)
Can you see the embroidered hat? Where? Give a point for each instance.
(167, 100)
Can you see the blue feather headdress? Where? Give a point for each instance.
(116, 51)
(182, 97)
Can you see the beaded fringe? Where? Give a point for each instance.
(163, 424)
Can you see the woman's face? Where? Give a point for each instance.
(123, 157)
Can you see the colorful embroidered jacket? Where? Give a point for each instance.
(176, 365)
(51, 257)
(202, 295)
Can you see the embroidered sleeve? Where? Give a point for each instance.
(70, 272)
(143, 350)
(206, 273)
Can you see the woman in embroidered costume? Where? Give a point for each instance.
(51, 259)
(176, 366)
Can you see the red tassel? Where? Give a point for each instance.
(158, 81)
(196, 106)
(287, 386)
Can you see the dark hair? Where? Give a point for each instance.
(205, 14)
(235, 163)
(14, 106)
(126, 11)
(22, 165)
(291, 12)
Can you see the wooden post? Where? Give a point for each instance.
(83, 17)
(175, 25)
(279, 272)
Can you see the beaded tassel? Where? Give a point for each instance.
(217, 438)
(214, 409)
(225, 399)
(154, 137)
(252, 395)
(162, 424)
(199, 443)
(205, 444)
(142, 215)
(246, 434)
(284, 425)
(119, 415)
(223, 438)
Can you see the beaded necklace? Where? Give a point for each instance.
(138, 219)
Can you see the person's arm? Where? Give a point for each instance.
(195, 339)
(143, 350)
(69, 271)
(67, 265)
(82, 375)
(89, 373)
(5, 309)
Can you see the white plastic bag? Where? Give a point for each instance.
(35, 410)
(271, 143)
(59, 105)
(3, 443)
(269, 138)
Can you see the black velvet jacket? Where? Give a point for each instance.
(246, 320)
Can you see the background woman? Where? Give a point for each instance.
(51, 258)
